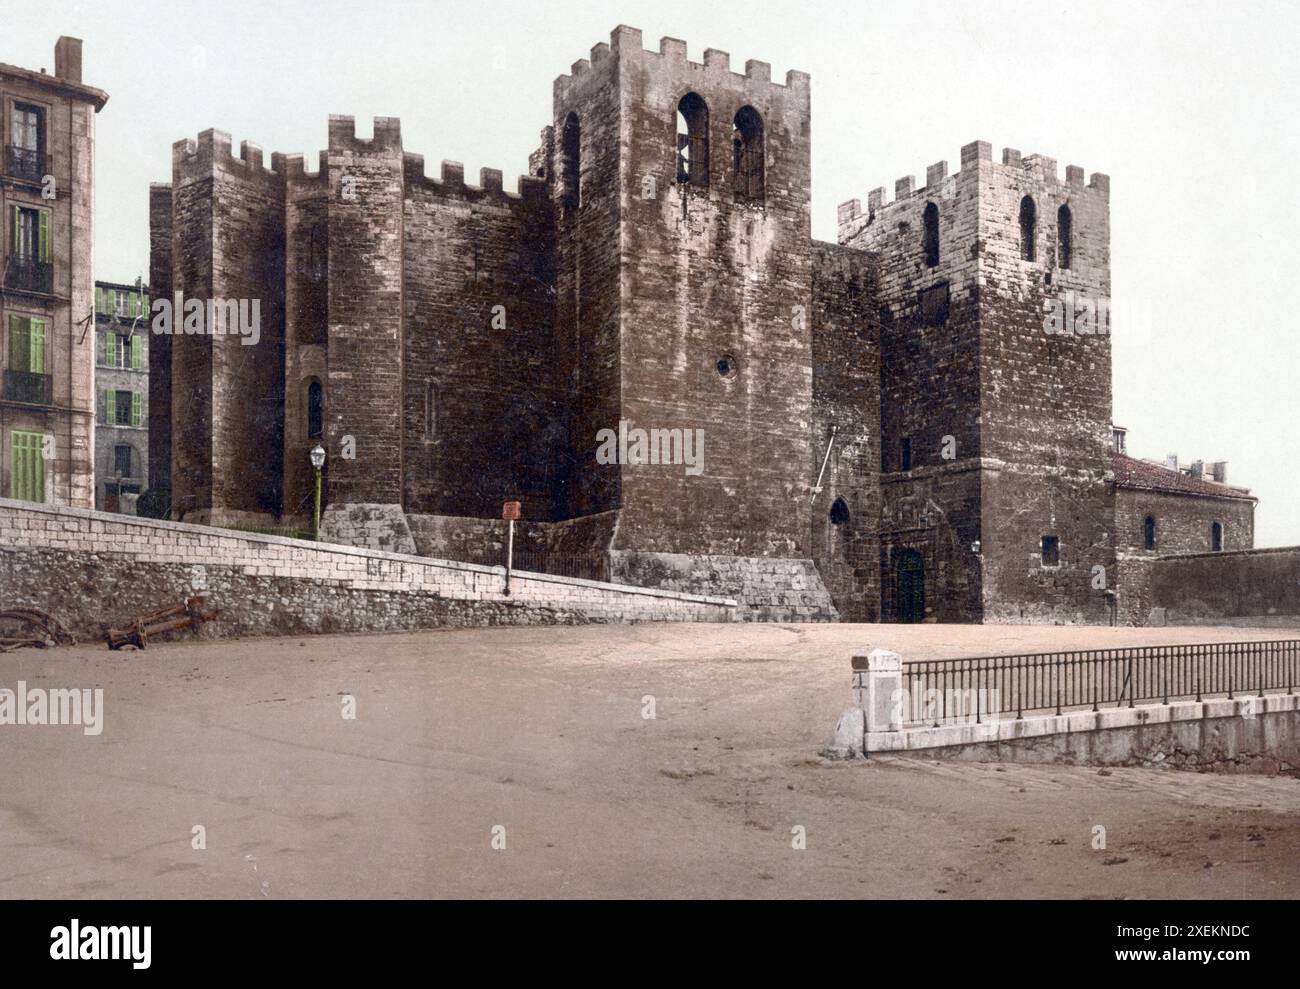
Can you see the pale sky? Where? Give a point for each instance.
(1189, 107)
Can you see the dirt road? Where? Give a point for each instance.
(540, 734)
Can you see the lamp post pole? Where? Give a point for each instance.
(317, 462)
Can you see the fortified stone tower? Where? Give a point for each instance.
(683, 295)
(995, 390)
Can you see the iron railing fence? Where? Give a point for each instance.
(587, 566)
(27, 275)
(27, 164)
(31, 389)
(987, 688)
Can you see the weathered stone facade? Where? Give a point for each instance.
(47, 207)
(895, 427)
(122, 340)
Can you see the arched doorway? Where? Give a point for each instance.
(909, 586)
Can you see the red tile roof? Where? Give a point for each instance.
(1143, 476)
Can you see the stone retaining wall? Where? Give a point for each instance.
(90, 568)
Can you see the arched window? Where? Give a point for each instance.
(571, 150)
(747, 155)
(1149, 533)
(839, 512)
(315, 410)
(693, 141)
(931, 237)
(1216, 537)
(1028, 228)
(1063, 234)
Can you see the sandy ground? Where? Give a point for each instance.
(540, 731)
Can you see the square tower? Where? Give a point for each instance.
(684, 283)
(995, 390)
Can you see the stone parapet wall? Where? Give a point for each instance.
(92, 568)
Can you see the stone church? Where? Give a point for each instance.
(911, 424)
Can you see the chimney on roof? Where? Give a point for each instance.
(1171, 461)
(1219, 471)
(67, 59)
(1197, 469)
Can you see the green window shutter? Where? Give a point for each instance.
(27, 466)
(132, 304)
(135, 352)
(99, 298)
(144, 304)
(135, 408)
(110, 406)
(43, 243)
(20, 347)
(36, 337)
(103, 348)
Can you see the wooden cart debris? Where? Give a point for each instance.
(187, 615)
(32, 627)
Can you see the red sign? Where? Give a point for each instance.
(511, 511)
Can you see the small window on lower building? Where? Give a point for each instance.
(905, 454)
(122, 461)
(1051, 551)
(1149, 533)
(122, 408)
(1216, 537)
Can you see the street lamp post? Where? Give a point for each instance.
(317, 462)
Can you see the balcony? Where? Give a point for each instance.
(26, 165)
(28, 388)
(27, 275)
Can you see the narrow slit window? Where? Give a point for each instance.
(1149, 533)
(571, 147)
(315, 410)
(430, 410)
(747, 156)
(1216, 537)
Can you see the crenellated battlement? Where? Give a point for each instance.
(195, 159)
(343, 135)
(451, 182)
(626, 42)
(975, 155)
(294, 169)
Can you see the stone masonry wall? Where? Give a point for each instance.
(774, 590)
(482, 420)
(709, 277)
(1252, 587)
(1183, 522)
(91, 568)
(846, 424)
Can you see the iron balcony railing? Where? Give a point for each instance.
(27, 275)
(32, 389)
(989, 688)
(26, 164)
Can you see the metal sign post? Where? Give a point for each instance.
(510, 511)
